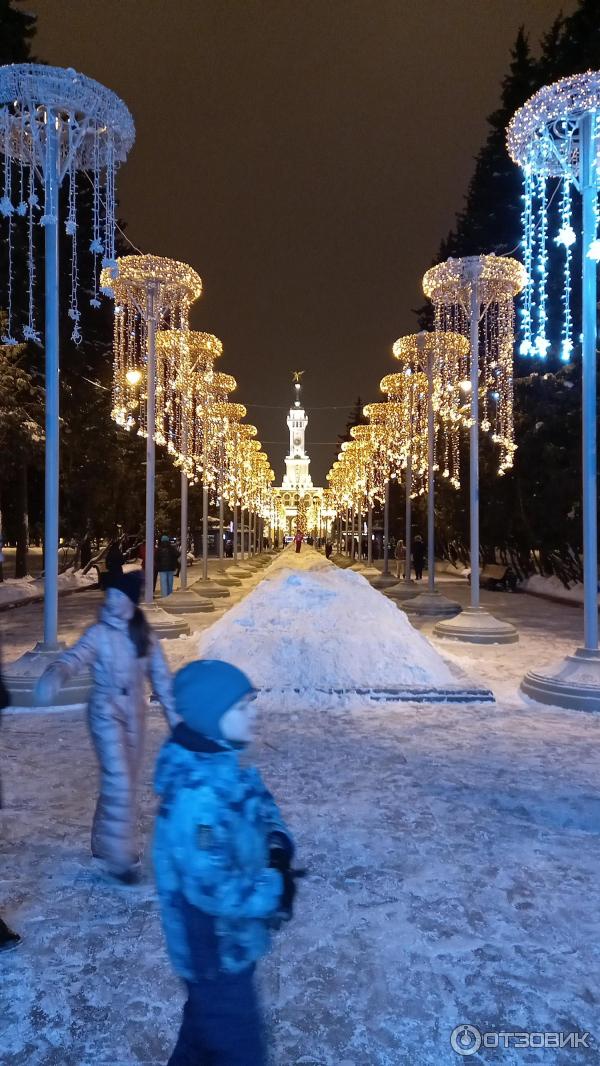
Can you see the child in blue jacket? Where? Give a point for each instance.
(222, 858)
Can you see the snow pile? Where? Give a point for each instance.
(539, 585)
(314, 630)
(15, 590)
(18, 588)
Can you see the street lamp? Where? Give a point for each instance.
(55, 123)
(555, 136)
(148, 291)
(475, 295)
(441, 357)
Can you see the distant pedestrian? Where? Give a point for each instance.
(114, 561)
(122, 653)
(400, 553)
(167, 563)
(418, 554)
(298, 541)
(222, 857)
(328, 549)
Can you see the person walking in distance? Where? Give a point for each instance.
(400, 553)
(167, 562)
(298, 540)
(122, 653)
(418, 554)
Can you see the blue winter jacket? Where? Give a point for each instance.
(213, 830)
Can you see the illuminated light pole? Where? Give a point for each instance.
(555, 136)
(148, 291)
(406, 394)
(476, 295)
(440, 357)
(54, 123)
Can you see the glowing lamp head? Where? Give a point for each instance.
(133, 377)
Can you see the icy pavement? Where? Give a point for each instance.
(453, 859)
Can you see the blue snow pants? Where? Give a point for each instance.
(221, 1023)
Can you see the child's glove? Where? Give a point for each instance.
(279, 859)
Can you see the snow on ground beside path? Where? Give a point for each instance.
(553, 586)
(25, 588)
(452, 857)
(311, 628)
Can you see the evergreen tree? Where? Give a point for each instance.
(536, 506)
(21, 436)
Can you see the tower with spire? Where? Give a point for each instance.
(297, 476)
(298, 501)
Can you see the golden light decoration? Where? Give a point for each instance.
(484, 285)
(181, 356)
(444, 359)
(143, 286)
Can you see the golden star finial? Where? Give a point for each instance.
(296, 376)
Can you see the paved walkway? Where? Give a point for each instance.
(452, 856)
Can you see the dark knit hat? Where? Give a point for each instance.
(130, 584)
(205, 690)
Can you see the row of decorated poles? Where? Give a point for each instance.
(56, 122)
(425, 409)
(554, 136)
(186, 406)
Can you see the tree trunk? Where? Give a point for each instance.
(22, 520)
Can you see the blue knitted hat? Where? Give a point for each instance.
(205, 690)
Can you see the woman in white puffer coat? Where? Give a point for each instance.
(122, 653)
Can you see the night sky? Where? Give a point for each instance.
(306, 157)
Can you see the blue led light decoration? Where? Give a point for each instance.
(555, 136)
(528, 245)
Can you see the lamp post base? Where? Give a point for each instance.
(431, 605)
(402, 590)
(163, 625)
(22, 676)
(384, 581)
(234, 571)
(205, 586)
(184, 601)
(475, 625)
(572, 683)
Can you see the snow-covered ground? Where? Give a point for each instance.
(26, 588)
(452, 856)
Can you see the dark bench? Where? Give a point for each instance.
(497, 576)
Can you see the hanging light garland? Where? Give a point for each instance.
(55, 123)
(408, 393)
(544, 139)
(448, 354)
(493, 282)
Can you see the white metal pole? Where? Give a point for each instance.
(221, 516)
(51, 341)
(474, 445)
(408, 517)
(386, 530)
(589, 430)
(370, 535)
(184, 514)
(150, 446)
(205, 531)
(235, 532)
(430, 475)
